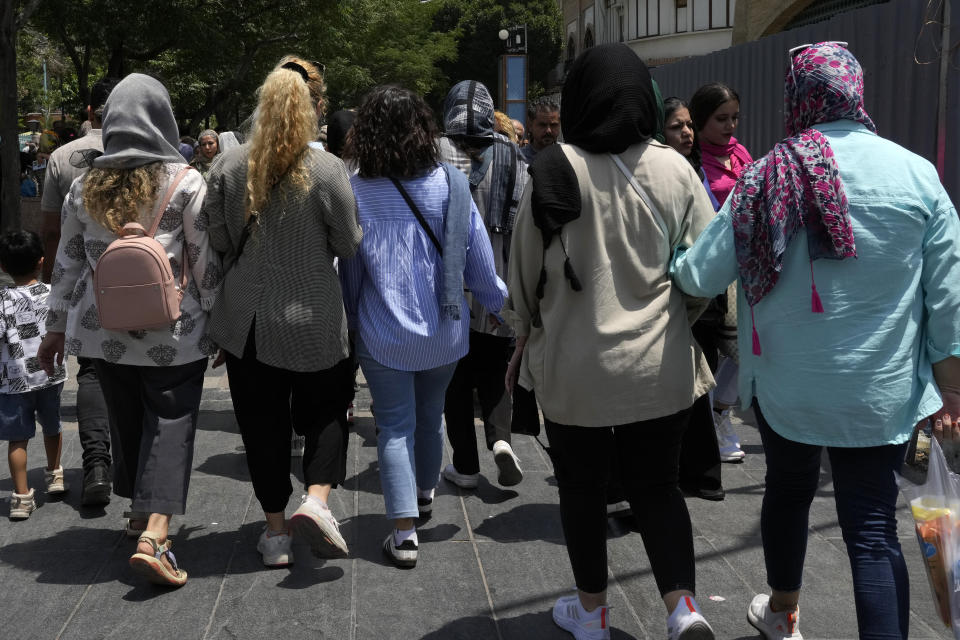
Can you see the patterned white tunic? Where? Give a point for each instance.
(72, 302)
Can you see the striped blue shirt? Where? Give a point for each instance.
(390, 286)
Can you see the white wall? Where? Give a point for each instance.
(680, 45)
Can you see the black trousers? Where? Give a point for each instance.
(269, 402)
(484, 368)
(153, 421)
(93, 423)
(582, 463)
(700, 453)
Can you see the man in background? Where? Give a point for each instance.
(64, 166)
(543, 126)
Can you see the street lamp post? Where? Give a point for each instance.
(512, 73)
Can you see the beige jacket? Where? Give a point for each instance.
(620, 350)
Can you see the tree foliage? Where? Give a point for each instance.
(212, 54)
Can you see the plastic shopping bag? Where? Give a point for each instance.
(936, 512)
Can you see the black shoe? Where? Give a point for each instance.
(715, 495)
(96, 486)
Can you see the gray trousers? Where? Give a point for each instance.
(153, 419)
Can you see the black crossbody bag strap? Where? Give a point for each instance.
(416, 212)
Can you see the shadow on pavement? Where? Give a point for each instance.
(365, 533)
(227, 465)
(529, 626)
(211, 420)
(524, 523)
(488, 492)
(73, 556)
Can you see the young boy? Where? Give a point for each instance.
(27, 394)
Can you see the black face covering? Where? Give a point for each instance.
(608, 101)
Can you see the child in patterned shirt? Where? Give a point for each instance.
(27, 394)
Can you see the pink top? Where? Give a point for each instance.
(722, 180)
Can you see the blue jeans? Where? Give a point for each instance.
(20, 412)
(866, 496)
(409, 409)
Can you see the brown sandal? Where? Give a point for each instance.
(152, 568)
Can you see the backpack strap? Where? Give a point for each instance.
(166, 200)
(159, 216)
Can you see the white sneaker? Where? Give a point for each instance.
(22, 505)
(404, 556)
(781, 625)
(313, 522)
(687, 623)
(54, 480)
(570, 616)
(727, 438)
(508, 463)
(462, 480)
(724, 425)
(425, 502)
(297, 445)
(275, 549)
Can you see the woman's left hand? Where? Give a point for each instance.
(220, 359)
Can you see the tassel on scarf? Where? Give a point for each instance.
(816, 306)
(756, 338)
(571, 275)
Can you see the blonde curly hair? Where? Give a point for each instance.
(504, 125)
(113, 197)
(284, 122)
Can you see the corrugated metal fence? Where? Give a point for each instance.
(900, 94)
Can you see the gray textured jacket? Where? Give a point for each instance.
(285, 277)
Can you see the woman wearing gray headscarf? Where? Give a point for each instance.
(151, 379)
(208, 146)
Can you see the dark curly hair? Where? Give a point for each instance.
(394, 135)
(670, 105)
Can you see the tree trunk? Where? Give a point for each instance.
(9, 144)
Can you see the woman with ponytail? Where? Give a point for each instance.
(280, 212)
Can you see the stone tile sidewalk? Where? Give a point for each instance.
(492, 561)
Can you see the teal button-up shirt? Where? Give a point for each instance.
(858, 375)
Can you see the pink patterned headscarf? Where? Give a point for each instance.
(797, 185)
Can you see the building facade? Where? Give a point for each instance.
(660, 31)
(666, 31)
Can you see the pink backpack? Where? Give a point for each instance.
(133, 281)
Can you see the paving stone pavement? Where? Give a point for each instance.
(492, 561)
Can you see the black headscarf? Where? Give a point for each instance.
(609, 103)
(608, 100)
(337, 128)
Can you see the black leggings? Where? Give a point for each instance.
(582, 461)
(269, 402)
